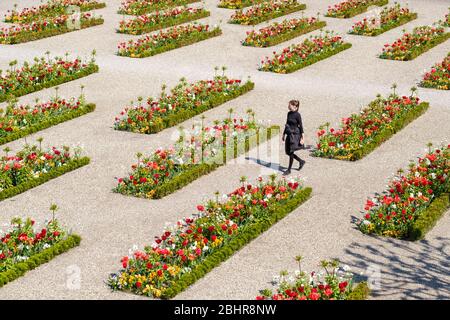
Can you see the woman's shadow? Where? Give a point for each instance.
(273, 165)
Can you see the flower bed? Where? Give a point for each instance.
(185, 101)
(390, 18)
(280, 32)
(439, 76)
(447, 19)
(53, 8)
(414, 201)
(238, 4)
(24, 248)
(195, 245)
(351, 8)
(33, 166)
(19, 121)
(43, 73)
(333, 283)
(140, 7)
(160, 20)
(204, 150)
(45, 28)
(304, 54)
(173, 38)
(266, 11)
(411, 45)
(362, 132)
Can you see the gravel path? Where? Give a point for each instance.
(322, 228)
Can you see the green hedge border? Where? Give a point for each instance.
(184, 115)
(189, 40)
(33, 36)
(90, 107)
(386, 28)
(386, 134)
(247, 234)
(429, 217)
(423, 84)
(24, 91)
(169, 23)
(411, 55)
(156, 7)
(193, 173)
(291, 34)
(310, 61)
(34, 261)
(244, 4)
(70, 166)
(271, 15)
(360, 291)
(359, 10)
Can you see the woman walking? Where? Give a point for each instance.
(293, 135)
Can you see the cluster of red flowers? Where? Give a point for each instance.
(264, 11)
(139, 7)
(160, 19)
(349, 8)
(392, 212)
(238, 4)
(193, 239)
(404, 47)
(171, 36)
(439, 76)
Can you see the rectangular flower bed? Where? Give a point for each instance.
(140, 7)
(413, 44)
(53, 8)
(197, 244)
(439, 76)
(301, 55)
(33, 166)
(362, 132)
(389, 18)
(266, 11)
(238, 4)
(24, 248)
(160, 20)
(198, 153)
(170, 39)
(351, 8)
(413, 201)
(279, 32)
(45, 28)
(43, 73)
(446, 22)
(185, 101)
(333, 283)
(18, 121)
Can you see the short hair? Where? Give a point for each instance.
(295, 103)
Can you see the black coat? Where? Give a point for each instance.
(293, 131)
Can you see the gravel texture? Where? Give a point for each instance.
(322, 228)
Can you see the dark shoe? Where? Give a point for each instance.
(287, 172)
(302, 163)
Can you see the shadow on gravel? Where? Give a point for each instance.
(406, 270)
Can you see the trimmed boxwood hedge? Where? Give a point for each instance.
(169, 23)
(387, 133)
(360, 292)
(20, 188)
(273, 15)
(178, 44)
(32, 36)
(90, 107)
(359, 10)
(183, 115)
(19, 269)
(429, 216)
(244, 4)
(192, 173)
(24, 91)
(247, 234)
(417, 51)
(309, 61)
(385, 28)
(277, 39)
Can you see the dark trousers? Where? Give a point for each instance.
(293, 156)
